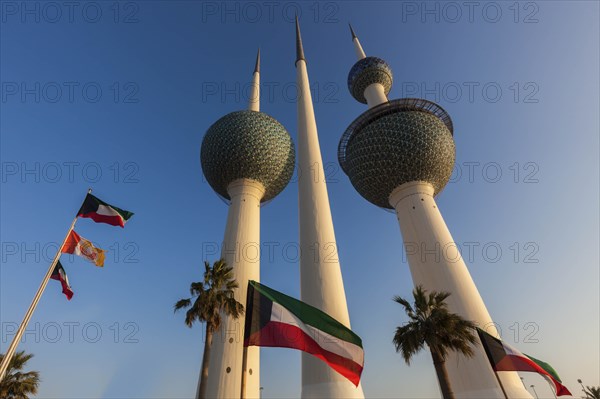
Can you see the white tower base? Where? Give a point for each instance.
(241, 250)
(436, 263)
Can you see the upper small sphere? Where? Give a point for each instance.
(367, 71)
(251, 145)
(396, 147)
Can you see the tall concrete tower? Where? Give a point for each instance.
(321, 283)
(248, 158)
(399, 155)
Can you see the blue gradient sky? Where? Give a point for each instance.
(524, 195)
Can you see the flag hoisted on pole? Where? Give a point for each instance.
(504, 357)
(98, 211)
(277, 320)
(75, 244)
(13, 345)
(101, 212)
(60, 274)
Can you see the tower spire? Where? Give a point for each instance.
(352, 31)
(357, 47)
(321, 283)
(299, 48)
(254, 100)
(257, 65)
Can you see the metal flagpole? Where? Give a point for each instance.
(244, 366)
(249, 296)
(490, 358)
(500, 382)
(13, 345)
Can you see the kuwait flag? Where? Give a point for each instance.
(60, 275)
(277, 320)
(78, 245)
(101, 212)
(504, 357)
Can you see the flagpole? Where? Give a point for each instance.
(13, 345)
(249, 296)
(500, 382)
(244, 366)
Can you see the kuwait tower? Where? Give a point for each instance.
(399, 155)
(248, 158)
(321, 282)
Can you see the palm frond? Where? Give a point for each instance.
(17, 384)
(182, 303)
(407, 307)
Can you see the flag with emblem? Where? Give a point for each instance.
(78, 245)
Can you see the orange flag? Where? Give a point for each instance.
(78, 245)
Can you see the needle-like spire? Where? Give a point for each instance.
(299, 48)
(352, 31)
(254, 100)
(321, 282)
(357, 47)
(257, 65)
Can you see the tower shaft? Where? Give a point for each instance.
(247, 157)
(435, 263)
(321, 283)
(254, 100)
(375, 95)
(410, 142)
(241, 250)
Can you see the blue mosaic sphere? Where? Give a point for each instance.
(397, 143)
(367, 71)
(250, 145)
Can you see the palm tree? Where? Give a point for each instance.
(214, 296)
(430, 323)
(16, 384)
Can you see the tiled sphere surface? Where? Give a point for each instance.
(251, 145)
(367, 71)
(399, 148)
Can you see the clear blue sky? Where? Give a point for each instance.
(117, 97)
